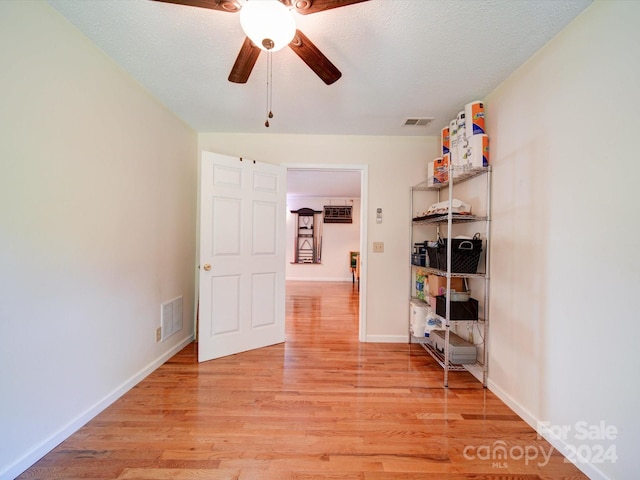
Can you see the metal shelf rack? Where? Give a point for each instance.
(449, 220)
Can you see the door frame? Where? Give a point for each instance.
(364, 208)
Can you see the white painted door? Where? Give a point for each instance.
(242, 255)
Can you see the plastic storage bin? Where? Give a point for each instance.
(460, 351)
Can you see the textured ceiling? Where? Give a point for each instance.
(399, 59)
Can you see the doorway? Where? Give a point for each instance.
(231, 171)
(313, 185)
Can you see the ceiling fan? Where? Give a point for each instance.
(300, 44)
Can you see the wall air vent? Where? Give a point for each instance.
(417, 122)
(171, 317)
(337, 214)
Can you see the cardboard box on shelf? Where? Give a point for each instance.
(432, 302)
(438, 285)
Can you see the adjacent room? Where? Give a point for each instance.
(125, 128)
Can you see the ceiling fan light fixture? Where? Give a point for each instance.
(268, 23)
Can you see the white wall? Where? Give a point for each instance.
(394, 163)
(338, 239)
(566, 262)
(97, 221)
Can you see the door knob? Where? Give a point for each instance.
(207, 267)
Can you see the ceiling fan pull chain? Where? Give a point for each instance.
(269, 87)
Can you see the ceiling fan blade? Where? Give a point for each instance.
(314, 58)
(305, 7)
(231, 6)
(245, 61)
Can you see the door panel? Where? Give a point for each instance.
(265, 182)
(227, 213)
(227, 176)
(264, 290)
(225, 297)
(264, 228)
(242, 245)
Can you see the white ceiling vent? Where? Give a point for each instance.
(417, 122)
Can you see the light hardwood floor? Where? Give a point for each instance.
(320, 406)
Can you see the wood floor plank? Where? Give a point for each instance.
(319, 406)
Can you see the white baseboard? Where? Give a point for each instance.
(44, 447)
(387, 339)
(559, 444)
(318, 279)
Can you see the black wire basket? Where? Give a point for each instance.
(465, 254)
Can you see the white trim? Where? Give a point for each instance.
(44, 447)
(364, 208)
(587, 468)
(321, 279)
(196, 260)
(300, 195)
(387, 339)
